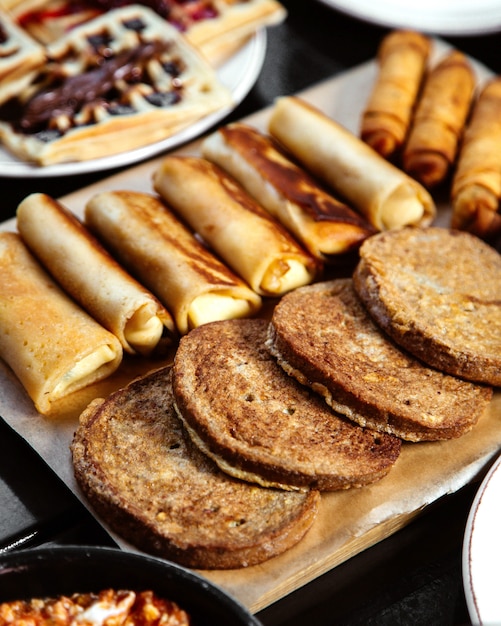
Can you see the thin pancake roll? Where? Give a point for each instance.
(324, 225)
(402, 58)
(51, 344)
(439, 120)
(385, 195)
(167, 258)
(235, 226)
(476, 186)
(85, 270)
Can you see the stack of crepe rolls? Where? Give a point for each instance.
(52, 345)
(87, 272)
(386, 196)
(234, 225)
(165, 256)
(402, 58)
(476, 185)
(324, 225)
(439, 120)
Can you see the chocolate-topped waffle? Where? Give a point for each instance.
(213, 26)
(121, 81)
(20, 57)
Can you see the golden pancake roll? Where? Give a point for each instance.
(439, 120)
(386, 196)
(476, 186)
(324, 225)
(194, 285)
(85, 270)
(52, 345)
(402, 59)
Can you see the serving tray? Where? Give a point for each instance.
(348, 521)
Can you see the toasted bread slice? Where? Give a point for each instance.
(437, 293)
(143, 476)
(259, 424)
(323, 336)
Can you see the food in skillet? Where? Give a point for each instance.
(105, 608)
(386, 196)
(324, 225)
(122, 81)
(53, 346)
(439, 119)
(402, 58)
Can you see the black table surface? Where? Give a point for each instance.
(413, 577)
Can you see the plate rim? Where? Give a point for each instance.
(469, 584)
(447, 23)
(254, 50)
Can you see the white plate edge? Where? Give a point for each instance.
(474, 610)
(445, 23)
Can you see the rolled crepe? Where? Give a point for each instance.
(85, 270)
(324, 225)
(166, 257)
(242, 233)
(402, 58)
(385, 195)
(52, 345)
(439, 120)
(476, 185)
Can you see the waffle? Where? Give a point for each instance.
(121, 81)
(211, 25)
(20, 57)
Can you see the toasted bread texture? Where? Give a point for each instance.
(262, 425)
(143, 476)
(437, 293)
(323, 336)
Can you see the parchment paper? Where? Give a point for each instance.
(349, 521)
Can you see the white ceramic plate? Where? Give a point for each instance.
(445, 17)
(238, 73)
(482, 551)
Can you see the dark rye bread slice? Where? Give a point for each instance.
(259, 424)
(323, 336)
(140, 472)
(437, 293)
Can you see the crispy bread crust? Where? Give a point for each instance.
(143, 476)
(246, 411)
(437, 293)
(323, 336)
